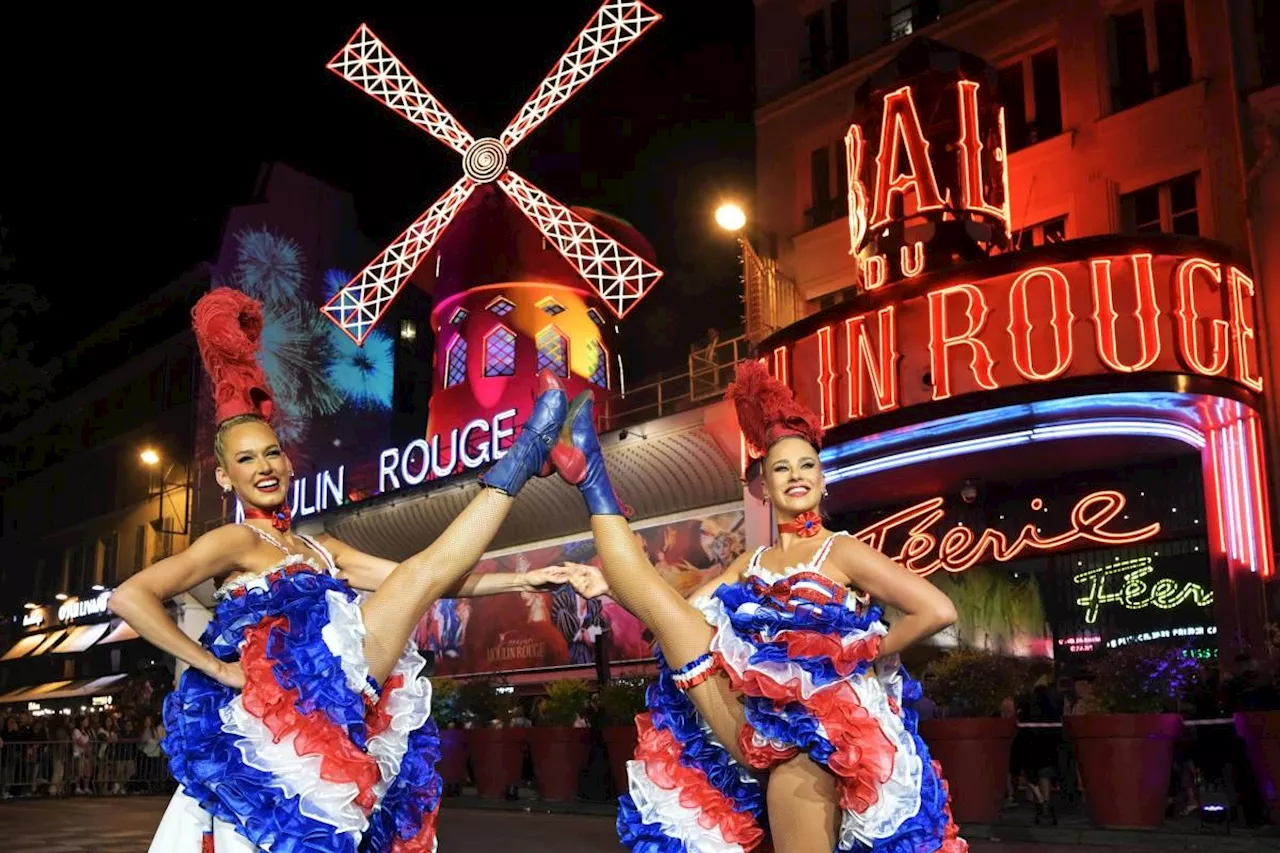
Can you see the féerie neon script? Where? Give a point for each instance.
(1133, 591)
(962, 548)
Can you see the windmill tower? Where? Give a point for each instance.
(520, 281)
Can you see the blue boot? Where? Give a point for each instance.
(579, 459)
(529, 454)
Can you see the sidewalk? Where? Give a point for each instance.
(1184, 835)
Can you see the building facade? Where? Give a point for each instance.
(1133, 164)
(103, 492)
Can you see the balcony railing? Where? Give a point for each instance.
(709, 372)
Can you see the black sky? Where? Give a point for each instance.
(128, 136)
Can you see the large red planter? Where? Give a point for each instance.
(1125, 761)
(620, 742)
(974, 754)
(453, 756)
(558, 754)
(497, 757)
(1260, 731)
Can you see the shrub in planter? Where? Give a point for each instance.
(1125, 751)
(972, 742)
(496, 750)
(621, 700)
(453, 744)
(1258, 722)
(558, 749)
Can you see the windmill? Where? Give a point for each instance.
(617, 275)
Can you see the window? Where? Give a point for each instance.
(110, 545)
(458, 316)
(456, 363)
(827, 186)
(1033, 100)
(1266, 28)
(826, 54)
(74, 574)
(835, 297)
(140, 548)
(904, 17)
(815, 63)
(500, 352)
(595, 317)
(600, 364)
(553, 351)
(1043, 234)
(1149, 53)
(550, 306)
(1168, 208)
(502, 307)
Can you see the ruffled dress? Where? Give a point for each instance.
(799, 648)
(310, 755)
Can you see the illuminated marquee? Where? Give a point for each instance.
(1124, 582)
(961, 548)
(1045, 319)
(473, 446)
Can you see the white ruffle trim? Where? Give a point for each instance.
(899, 797)
(660, 806)
(184, 824)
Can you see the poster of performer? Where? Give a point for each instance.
(536, 630)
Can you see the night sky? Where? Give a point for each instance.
(128, 136)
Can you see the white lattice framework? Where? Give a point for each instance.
(619, 276)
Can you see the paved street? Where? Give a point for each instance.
(125, 824)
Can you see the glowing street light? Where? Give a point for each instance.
(149, 457)
(731, 217)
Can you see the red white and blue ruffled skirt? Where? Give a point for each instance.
(311, 755)
(799, 649)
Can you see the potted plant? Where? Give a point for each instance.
(1125, 751)
(621, 700)
(453, 744)
(972, 741)
(1258, 724)
(495, 748)
(557, 747)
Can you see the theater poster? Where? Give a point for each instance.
(503, 633)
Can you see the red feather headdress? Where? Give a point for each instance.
(228, 327)
(767, 410)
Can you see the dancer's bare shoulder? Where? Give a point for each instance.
(218, 553)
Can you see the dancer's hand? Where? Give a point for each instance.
(586, 580)
(550, 576)
(231, 674)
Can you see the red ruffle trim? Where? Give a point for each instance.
(951, 840)
(660, 752)
(424, 841)
(845, 659)
(341, 760)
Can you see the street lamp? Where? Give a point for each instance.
(768, 294)
(151, 458)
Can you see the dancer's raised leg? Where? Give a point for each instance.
(681, 630)
(391, 613)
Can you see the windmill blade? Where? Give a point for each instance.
(614, 27)
(358, 307)
(619, 276)
(366, 63)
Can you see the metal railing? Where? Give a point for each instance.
(62, 768)
(709, 372)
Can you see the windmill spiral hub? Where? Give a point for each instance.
(485, 160)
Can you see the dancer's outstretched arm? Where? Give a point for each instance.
(140, 599)
(927, 609)
(367, 572)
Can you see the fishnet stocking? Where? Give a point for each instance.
(391, 613)
(802, 800)
(681, 630)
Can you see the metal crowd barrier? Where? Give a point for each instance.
(60, 768)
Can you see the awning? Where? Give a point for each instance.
(62, 689)
(122, 632)
(81, 637)
(682, 462)
(34, 644)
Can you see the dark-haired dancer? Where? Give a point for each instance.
(304, 720)
(781, 713)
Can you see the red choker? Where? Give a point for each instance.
(804, 525)
(280, 519)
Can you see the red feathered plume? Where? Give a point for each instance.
(767, 410)
(228, 327)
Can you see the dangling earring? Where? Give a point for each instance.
(226, 490)
(824, 492)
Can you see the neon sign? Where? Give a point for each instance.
(421, 460)
(961, 548)
(1133, 592)
(1121, 313)
(76, 608)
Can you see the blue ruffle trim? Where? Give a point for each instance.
(412, 797)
